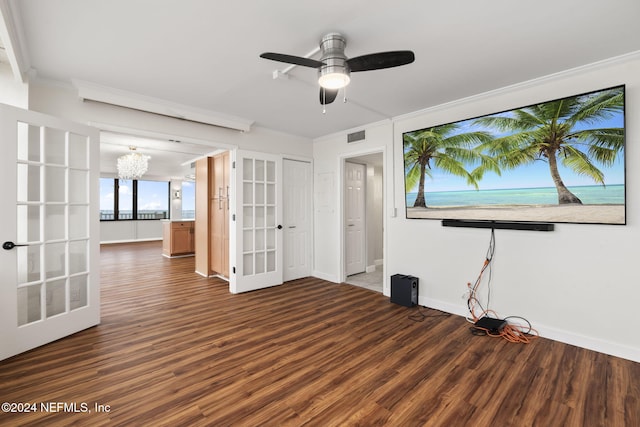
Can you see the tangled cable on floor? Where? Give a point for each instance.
(511, 332)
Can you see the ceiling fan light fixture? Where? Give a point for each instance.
(335, 73)
(334, 80)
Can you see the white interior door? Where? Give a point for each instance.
(258, 222)
(297, 219)
(355, 237)
(49, 262)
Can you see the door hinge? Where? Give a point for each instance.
(233, 164)
(233, 269)
(233, 217)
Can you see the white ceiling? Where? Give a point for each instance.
(205, 53)
(169, 159)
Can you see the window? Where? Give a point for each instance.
(153, 200)
(188, 199)
(107, 199)
(125, 199)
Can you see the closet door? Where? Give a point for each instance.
(219, 249)
(225, 220)
(216, 215)
(204, 202)
(297, 193)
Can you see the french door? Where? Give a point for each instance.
(257, 242)
(49, 270)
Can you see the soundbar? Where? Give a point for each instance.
(508, 225)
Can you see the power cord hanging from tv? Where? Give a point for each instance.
(487, 322)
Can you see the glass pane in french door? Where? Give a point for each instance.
(259, 210)
(52, 222)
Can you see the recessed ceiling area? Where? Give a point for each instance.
(170, 159)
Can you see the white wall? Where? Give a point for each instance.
(329, 154)
(12, 92)
(130, 231)
(175, 205)
(577, 284)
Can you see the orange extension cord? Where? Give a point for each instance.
(510, 332)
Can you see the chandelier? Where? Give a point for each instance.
(132, 165)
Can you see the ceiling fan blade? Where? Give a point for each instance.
(380, 60)
(290, 59)
(327, 96)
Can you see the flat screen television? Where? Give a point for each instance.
(561, 161)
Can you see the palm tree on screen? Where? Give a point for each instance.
(556, 131)
(451, 152)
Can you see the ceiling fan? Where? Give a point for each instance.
(334, 68)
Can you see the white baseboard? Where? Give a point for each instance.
(324, 276)
(595, 344)
(376, 263)
(110, 242)
(177, 256)
(443, 306)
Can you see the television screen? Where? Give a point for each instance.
(559, 161)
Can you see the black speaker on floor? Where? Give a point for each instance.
(404, 290)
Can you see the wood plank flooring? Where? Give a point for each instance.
(177, 349)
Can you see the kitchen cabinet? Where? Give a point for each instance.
(212, 215)
(178, 238)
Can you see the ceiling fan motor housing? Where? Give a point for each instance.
(332, 47)
(334, 68)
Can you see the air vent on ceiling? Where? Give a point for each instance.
(355, 136)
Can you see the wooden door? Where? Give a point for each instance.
(226, 162)
(220, 215)
(202, 221)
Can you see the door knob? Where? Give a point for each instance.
(279, 227)
(7, 246)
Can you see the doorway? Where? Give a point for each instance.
(369, 274)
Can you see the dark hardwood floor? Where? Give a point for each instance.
(176, 349)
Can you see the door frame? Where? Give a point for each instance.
(342, 159)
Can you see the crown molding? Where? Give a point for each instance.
(621, 59)
(108, 95)
(12, 37)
